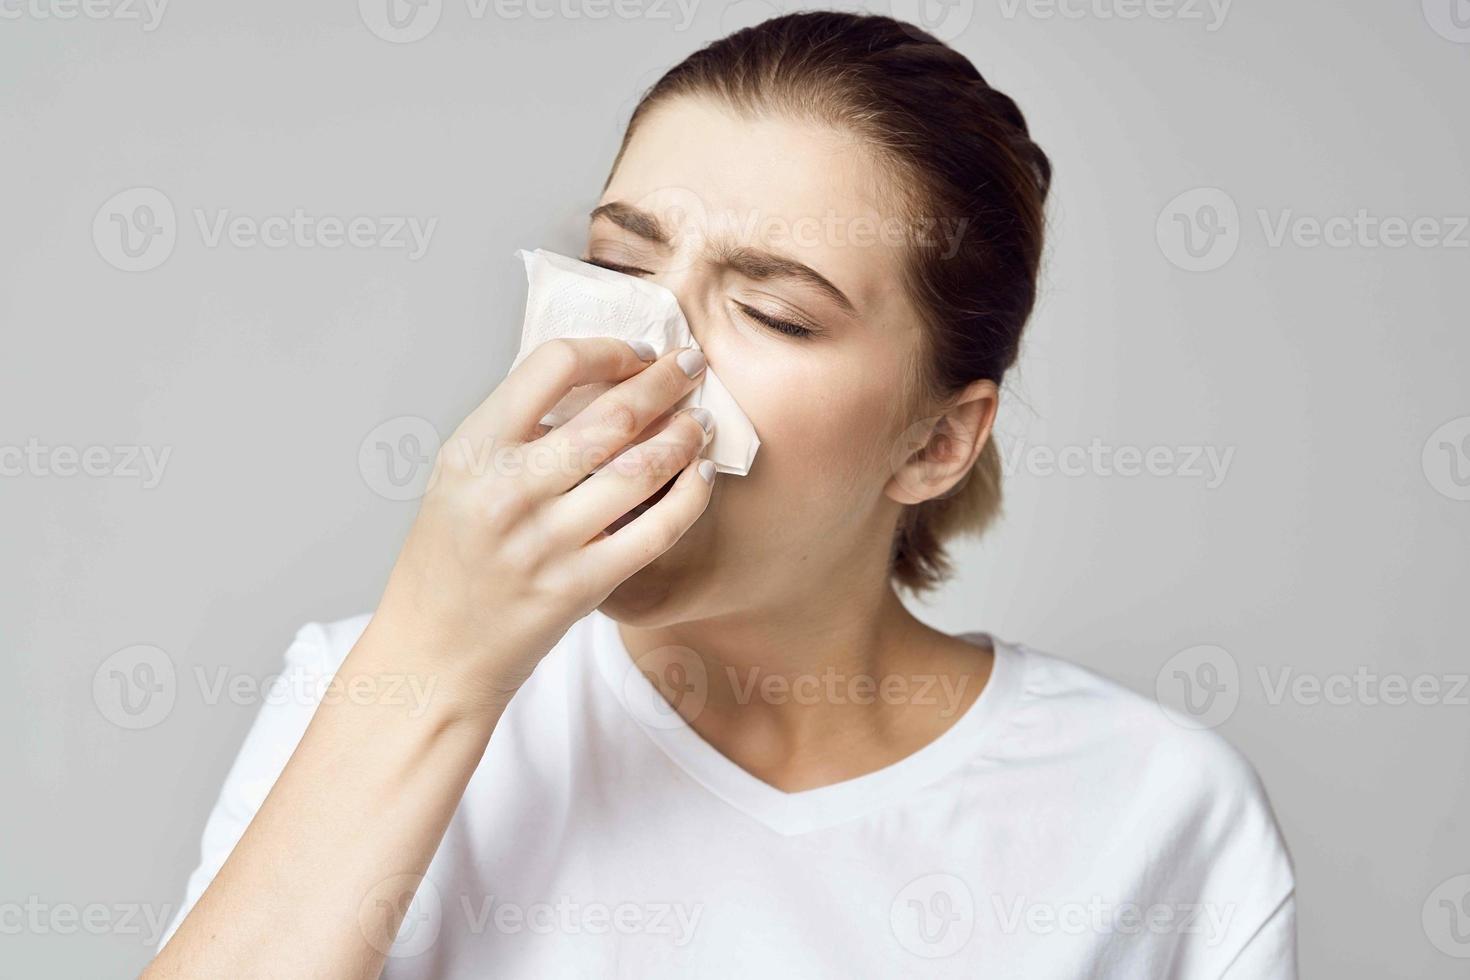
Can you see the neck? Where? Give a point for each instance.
(814, 690)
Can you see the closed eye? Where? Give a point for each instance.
(780, 326)
(615, 267)
(772, 323)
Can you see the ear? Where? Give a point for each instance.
(934, 456)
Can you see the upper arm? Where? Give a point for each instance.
(1269, 954)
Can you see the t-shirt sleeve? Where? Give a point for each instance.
(274, 734)
(1271, 952)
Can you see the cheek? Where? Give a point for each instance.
(825, 435)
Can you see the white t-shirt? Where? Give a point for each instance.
(1062, 827)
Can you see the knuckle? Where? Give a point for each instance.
(662, 536)
(627, 464)
(560, 356)
(454, 458)
(523, 551)
(503, 506)
(674, 381)
(679, 456)
(648, 464)
(562, 583)
(618, 419)
(555, 582)
(692, 435)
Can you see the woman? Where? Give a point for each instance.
(702, 736)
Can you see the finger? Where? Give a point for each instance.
(629, 479)
(610, 422)
(617, 556)
(515, 407)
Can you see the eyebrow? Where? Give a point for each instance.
(753, 263)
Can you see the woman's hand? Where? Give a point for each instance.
(509, 548)
(506, 553)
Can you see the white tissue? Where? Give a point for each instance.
(571, 298)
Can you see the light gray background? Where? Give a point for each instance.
(1335, 542)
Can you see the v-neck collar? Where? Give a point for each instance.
(823, 806)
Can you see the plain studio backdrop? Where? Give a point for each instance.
(255, 256)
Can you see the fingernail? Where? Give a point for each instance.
(644, 350)
(707, 470)
(704, 418)
(692, 361)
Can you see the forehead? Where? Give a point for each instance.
(794, 187)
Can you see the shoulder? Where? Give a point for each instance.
(1159, 774)
(1175, 802)
(1078, 712)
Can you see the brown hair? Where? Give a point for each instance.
(961, 152)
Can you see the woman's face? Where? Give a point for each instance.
(771, 233)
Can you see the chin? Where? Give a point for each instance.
(658, 594)
(646, 599)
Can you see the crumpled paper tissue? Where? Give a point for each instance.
(572, 298)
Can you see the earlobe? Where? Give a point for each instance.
(933, 458)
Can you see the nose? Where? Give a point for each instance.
(693, 288)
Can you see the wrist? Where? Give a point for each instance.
(425, 676)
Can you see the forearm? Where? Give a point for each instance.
(319, 881)
(501, 560)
